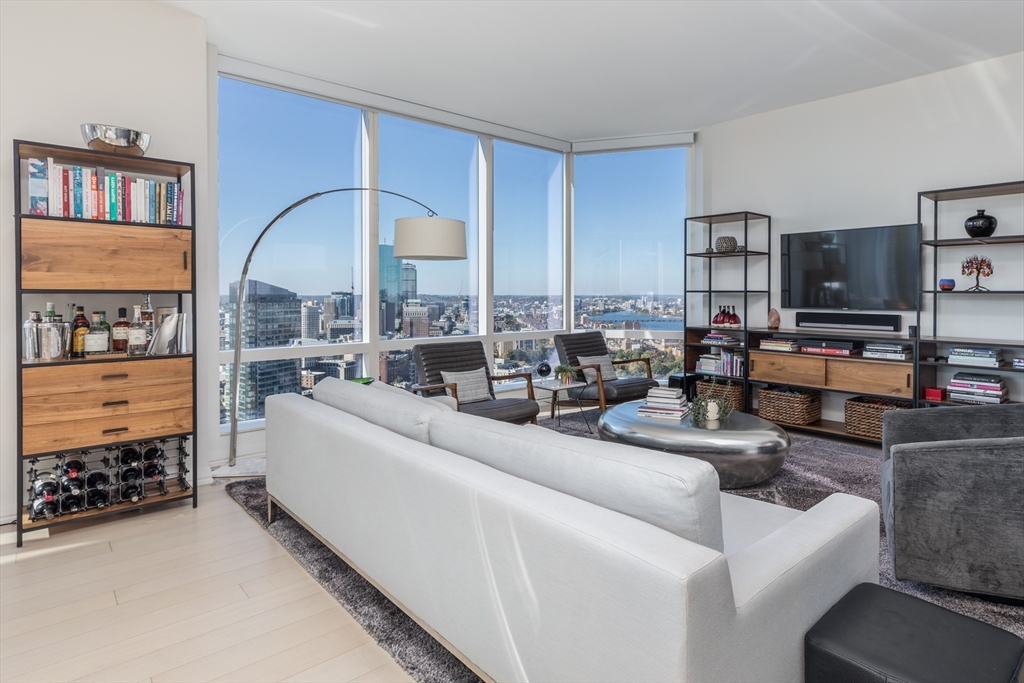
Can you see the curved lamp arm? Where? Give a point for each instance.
(240, 306)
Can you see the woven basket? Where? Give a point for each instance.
(801, 408)
(733, 392)
(864, 414)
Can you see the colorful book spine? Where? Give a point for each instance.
(77, 179)
(66, 193)
(119, 200)
(152, 201)
(111, 197)
(38, 190)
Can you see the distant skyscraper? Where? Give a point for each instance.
(310, 322)
(272, 317)
(415, 321)
(390, 274)
(408, 281)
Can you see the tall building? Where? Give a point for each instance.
(310, 322)
(272, 317)
(415, 321)
(390, 274)
(408, 281)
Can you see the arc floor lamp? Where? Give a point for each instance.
(420, 238)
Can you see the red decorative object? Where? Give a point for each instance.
(935, 394)
(979, 267)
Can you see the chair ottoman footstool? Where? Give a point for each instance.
(875, 634)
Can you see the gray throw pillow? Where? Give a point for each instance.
(607, 369)
(471, 385)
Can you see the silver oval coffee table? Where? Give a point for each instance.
(745, 449)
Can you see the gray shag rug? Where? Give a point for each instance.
(815, 469)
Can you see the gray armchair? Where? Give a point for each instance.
(432, 359)
(953, 497)
(572, 346)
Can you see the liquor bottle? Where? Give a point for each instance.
(104, 324)
(72, 503)
(43, 508)
(50, 312)
(147, 317)
(138, 344)
(119, 331)
(151, 452)
(97, 479)
(79, 328)
(95, 498)
(129, 456)
(97, 340)
(154, 471)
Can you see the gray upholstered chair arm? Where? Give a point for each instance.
(950, 424)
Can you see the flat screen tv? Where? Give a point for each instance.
(864, 269)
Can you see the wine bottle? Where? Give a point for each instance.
(45, 484)
(129, 456)
(130, 475)
(131, 492)
(97, 479)
(96, 498)
(43, 508)
(151, 452)
(72, 503)
(154, 471)
(71, 485)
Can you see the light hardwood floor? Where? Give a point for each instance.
(174, 594)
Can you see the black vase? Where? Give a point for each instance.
(980, 225)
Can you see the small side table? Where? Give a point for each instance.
(554, 387)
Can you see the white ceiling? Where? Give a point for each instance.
(593, 70)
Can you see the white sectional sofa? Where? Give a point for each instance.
(536, 556)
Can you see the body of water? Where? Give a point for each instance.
(647, 321)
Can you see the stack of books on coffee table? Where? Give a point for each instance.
(664, 404)
(977, 389)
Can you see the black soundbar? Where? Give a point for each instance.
(877, 322)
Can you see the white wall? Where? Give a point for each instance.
(860, 159)
(136, 64)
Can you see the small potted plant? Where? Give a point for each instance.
(565, 374)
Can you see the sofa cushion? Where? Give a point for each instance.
(399, 411)
(618, 391)
(674, 493)
(449, 402)
(472, 385)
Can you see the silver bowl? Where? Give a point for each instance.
(104, 138)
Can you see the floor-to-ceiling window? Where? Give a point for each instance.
(304, 284)
(628, 251)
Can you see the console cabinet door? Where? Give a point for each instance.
(889, 379)
(88, 256)
(787, 368)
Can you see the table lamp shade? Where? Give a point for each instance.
(430, 238)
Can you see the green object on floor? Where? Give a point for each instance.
(362, 380)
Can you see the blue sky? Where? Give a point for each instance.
(276, 147)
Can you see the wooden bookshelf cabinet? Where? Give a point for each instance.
(90, 407)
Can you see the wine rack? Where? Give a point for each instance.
(66, 487)
(80, 419)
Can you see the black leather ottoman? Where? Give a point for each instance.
(878, 635)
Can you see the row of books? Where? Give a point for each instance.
(664, 403)
(966, 387)
(730, 363)
(95, 194)
(720, 339)
(889, 351)
(990, 358)
(831, 347)
(1018, 363)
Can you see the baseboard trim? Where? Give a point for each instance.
(271, 502)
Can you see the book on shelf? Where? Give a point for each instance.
(979, 399)
(971, 387)
(980, 353)
(977, 377)
(830, 343)
(898, 347)
(885, 355)
(775, 344)
(720, 339)
(979, 362)
(1018, 363)
(98, 194)
(725, 363)
(828, 351)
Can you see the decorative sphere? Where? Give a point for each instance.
(544, 369)
(947, 285)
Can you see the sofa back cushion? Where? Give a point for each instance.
(671, 492)
(399, 411)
